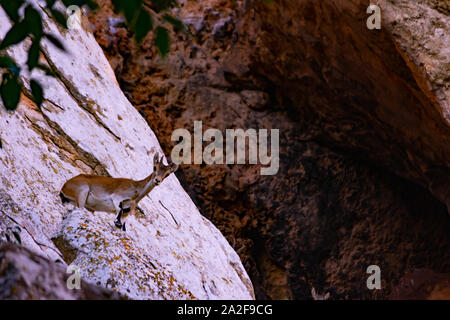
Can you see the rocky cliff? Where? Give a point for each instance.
(364, 133)
(25, 276)
(87, 125)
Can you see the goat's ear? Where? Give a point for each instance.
(171, 164)
(173, 167)
(155, 160)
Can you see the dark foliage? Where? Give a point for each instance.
(137, 13)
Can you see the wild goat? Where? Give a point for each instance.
(115, 195)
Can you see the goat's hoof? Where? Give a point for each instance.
(118, 224)
(123, 227)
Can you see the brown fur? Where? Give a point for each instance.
(116, 195)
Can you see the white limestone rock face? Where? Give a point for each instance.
(86, 125)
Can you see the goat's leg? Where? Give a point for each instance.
(82, 196)
(122, 208)
(128, 207)
(118, 222)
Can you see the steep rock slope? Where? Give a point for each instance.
(356, 109)
(87, 125)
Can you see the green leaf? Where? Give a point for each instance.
(177, 24)
(34, 21)
(7, 62)
(92, 4)
(33, 54)
(59, 17)
(118, 5)
(12, 8)
(130, 9)
(144, 24)
(16, 34)
(38, 93)
(162, 41)
(47, 70)
(50, 3)
(56, 42)
(10, 90)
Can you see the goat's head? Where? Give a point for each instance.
(162, 171)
